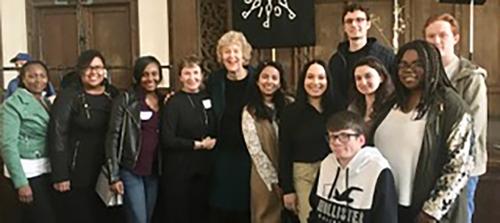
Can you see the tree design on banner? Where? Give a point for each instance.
(275, 23)
(269, 9)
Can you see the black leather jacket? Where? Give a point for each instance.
(65, 140)
(123, 147)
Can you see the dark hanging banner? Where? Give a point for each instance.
(275, 23)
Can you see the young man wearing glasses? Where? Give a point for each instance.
(470, 81)
(356, 22)
(354, 183)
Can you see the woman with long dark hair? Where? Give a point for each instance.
(427, 137)
(259, 124)
(302, 137)
(78, 125)
(374, 87)
(133, 140)
(24, 118)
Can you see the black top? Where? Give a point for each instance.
(231, 181)
(77, 131)
(303, 138)
(187, 117)
(231, 134)
(89, 131)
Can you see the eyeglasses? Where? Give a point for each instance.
(342, 137)
(357, 20)
(413, 66)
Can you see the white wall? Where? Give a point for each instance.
(14, 38)
(153, 32)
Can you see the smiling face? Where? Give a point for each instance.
(35, 79)
(93, 75)
(191, 78)
(367, 79)
(345, 144)
(269, 81)
(315, 82)
(356, 25)
(411, 71)
(232, 57)
(440, 34)
(150, 77)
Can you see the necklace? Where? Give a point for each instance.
(205, 115)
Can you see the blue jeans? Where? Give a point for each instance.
(471, 190)
(140, 196)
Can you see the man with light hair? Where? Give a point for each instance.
(469, 80)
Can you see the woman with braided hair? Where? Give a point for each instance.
(427, 137)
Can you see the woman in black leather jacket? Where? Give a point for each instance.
(132, 141)
(78, 123)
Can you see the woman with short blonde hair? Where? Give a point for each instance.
(234, 37)
(228, 88)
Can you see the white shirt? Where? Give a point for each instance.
(399, 138)
(32, 167)
(452, 68)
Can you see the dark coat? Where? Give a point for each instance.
(231, 179)
(76, 136)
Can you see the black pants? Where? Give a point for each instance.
(83, 205)
(218, 215)
(406, 215)
(9, 203)
(185, 199)
(41, 210)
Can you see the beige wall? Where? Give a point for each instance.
(153, 32)
(14, 38)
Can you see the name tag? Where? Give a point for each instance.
(146, 115)
(207, 103)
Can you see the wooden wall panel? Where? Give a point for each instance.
(329, 30)
(487, 48)
(57, 27)
(111, 32)
(184, 31)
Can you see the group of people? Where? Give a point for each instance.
(369, 137)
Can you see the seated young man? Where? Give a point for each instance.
(354, 183)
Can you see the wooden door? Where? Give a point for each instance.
(59, 30)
